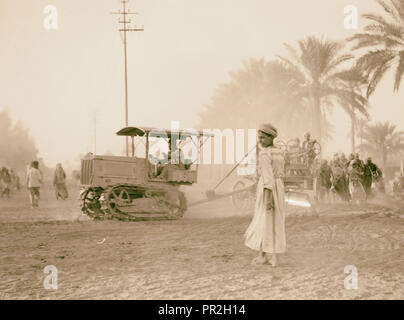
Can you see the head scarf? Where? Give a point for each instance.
(268, 129)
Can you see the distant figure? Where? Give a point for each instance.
(5, 179)
(339, 178)
(351, 158)
(308, 146)
(17, 182)
(297, 144)
(59, 182)
(325, 181)
(34, 182)
(295, 149)
(359, 162)
(344, 161)
(355, 172)
(13, 179)
(307, 140)
(378, 179)
(398, 182)
(367, 177)
(315, 173)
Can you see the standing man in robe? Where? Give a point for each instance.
(266, 232)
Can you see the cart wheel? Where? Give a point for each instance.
(280, 144)
(290, 144)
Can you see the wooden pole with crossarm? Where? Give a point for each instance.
(126, 28)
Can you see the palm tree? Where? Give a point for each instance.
(361, 125)
(384, 36)
(260, 91)
(321, 80)
(382, 140)
(352, 100)
(17, 147)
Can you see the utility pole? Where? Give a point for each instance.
(126, 27)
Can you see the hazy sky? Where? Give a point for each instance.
(55, 81)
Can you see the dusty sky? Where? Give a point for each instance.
(55, 81)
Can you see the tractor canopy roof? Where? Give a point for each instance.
(156, 132)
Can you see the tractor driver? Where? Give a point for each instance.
(174, 159)
(179, 157)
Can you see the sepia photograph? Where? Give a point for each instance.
(215, 150)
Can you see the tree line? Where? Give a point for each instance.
(17, 147)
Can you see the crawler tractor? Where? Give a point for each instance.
(143, 186)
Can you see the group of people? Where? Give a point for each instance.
(34, 181)
(9, 182)
(351, 178)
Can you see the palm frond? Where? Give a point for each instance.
(376, 77)
(293, 53)
(336, 62)
(376, 18)
(375, 64)
(399, 71)
(391, 10)
(399, 7)
(384, 36)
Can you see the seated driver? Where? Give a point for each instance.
(176, 160)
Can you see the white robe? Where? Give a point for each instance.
(266, 231)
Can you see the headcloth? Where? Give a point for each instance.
(268, 129)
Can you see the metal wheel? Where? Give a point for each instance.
(91, 205)
(280, 144)
(116, 198)
(290, 144)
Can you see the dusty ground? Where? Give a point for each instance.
(201, 256)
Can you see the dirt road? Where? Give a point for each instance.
(201, 256)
